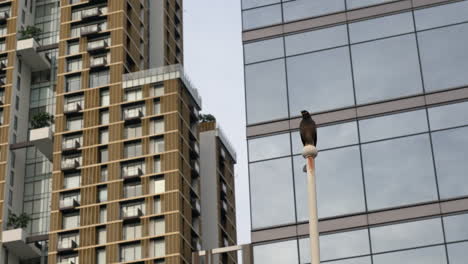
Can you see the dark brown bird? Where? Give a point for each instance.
(308, 129)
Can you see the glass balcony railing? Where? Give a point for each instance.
(70, 164)
(133, 113)
(131, 212)
(93, 12)
(133, 191)
(97, 45)
(90, 29)
(72, 107)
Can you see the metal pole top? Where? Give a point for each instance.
(309, 151)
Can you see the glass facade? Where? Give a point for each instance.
(381, 154)
(379, 59)
(393, 243)
(359, 172)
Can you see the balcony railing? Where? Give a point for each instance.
(132, 173)
(89, 13)
(3, 64)
(69, 204)
(98, 62)
(196, 208)
(132, 212)
(88, 30)
(4, 16)
(131, 114)
(73, 144)
(70, 164)
(133, 192)
(72, 107)
(195, 168)
(67, 245)
(97, 45)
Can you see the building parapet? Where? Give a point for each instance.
(160, 74)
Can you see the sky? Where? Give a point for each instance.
(214, 62)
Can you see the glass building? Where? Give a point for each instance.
(116, 177)
(386, 82)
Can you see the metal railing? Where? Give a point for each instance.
(161, 74)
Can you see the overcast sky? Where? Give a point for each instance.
(213, 60)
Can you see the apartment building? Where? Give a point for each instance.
(218, 204)
(111, 178)
(386, 82)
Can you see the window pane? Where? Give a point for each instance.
(256, 3)
(264, 50)
(313, 77)
(441, 15)
(362, 260)
(399, 172)
(381, 27)
(344, 245)
(330, 137)
(340, 188)
(406, 235)
(457, 253)
(360, 3)
(277, 253)
(456, 227)
(269, 147)
(266, 91)
(300, 9)
(393, 125)
(450, 153)
(316, 40)
(261, 17)
(444, 57)
(431, 255)
(386, 69)
(271, 186)
(447, 116)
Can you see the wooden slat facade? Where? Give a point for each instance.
(129, 52)
(5, 108)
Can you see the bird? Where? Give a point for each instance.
(308, 129)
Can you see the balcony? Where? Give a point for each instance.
(194, 150)
(98, 62)
(42, 138)
(196, 208)
(66, 246)
(131, 214)
(196, 244)
(3, 64)
(69, 204)
(132, 173)
(90, 30)
(4, 16)
(15, 241)
(70, 165)
(27, 50)
(96, 46)
(195, 168)
(132, 114)
(90, 13)
(72, 108)
(133, 192)
(224, 206)
(223, 190)
(71, 145)
(2, 99)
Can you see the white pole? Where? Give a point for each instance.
(309, 153)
